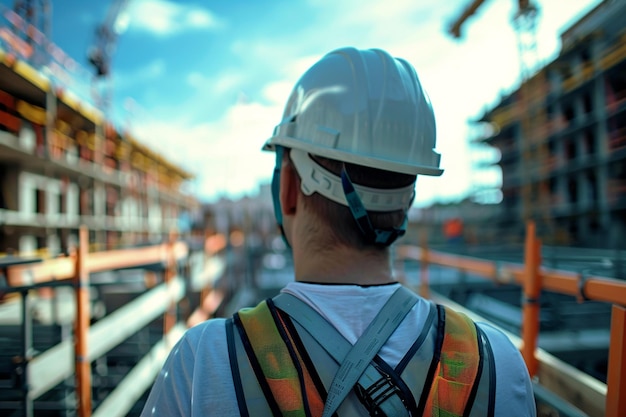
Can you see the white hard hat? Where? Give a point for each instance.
(366, 108)
(363, 107)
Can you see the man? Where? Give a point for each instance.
(346, 338)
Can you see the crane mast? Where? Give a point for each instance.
(530, 115)
(524, 22)
(100, 53)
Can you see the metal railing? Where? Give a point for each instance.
(74, 356)
(586, 393)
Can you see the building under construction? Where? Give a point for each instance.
(562, 138)
(63, 164)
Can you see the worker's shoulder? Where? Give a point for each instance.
(508, 359)
(207, 333)
(497, 338)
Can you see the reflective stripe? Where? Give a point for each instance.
(457, 369)
(274, 359)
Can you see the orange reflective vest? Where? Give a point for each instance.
(280, 370)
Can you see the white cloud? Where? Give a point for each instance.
(461, 78)
(163, 17)
(277, 92)
(225, 155)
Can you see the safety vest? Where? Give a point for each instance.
(279, 369)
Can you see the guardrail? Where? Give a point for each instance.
(533, 278)
(42, 372)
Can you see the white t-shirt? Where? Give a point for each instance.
(196, 378)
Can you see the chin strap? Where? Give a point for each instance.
(276, 192)
(378, 237)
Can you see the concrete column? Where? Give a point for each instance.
(72, 201)
(53, 243)
(26, 193)
(99, 200)
(53, 190)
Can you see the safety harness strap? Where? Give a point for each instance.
(364, 350)
(373, 386)
(451, 377)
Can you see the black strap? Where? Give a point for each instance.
(234, 367)
(419, 341)
(378, 237)
(396, 379)
(492, 377)
(479, 372)
(256, 367)
(441, 314)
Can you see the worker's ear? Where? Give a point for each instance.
(289, 185)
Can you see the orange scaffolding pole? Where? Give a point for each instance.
(604, 289)
(125, 258)
(50, 270)
(169, 317)
(82, 365)
(616, 379)
(532, 291)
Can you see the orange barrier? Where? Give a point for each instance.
(533, 278)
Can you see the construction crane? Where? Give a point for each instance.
(530, 116)
(99, 55)
(524, 21)
(525, 9)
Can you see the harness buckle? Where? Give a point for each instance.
(376, 394)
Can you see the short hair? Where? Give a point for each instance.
(341, 227)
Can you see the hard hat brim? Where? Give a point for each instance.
(364, 160)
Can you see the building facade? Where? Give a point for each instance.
(562, 138)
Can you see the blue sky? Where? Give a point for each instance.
(204, 82)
